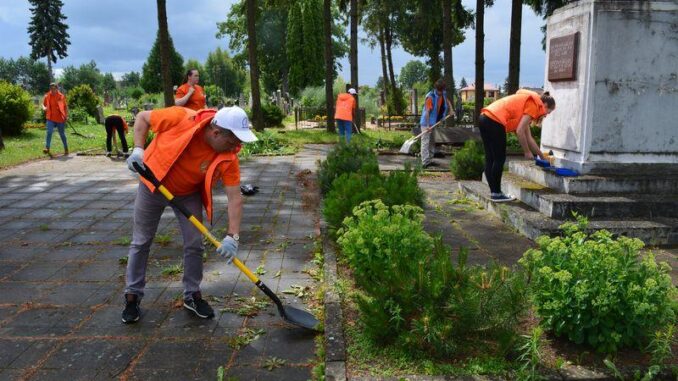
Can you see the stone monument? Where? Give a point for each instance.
(612, 67)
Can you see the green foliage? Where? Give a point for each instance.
(221, 71)
(25, 72)
(47, 31)
(531, 354)
(513, 144)
(468, 163)
(344, 158)
(412, 295)
(395, 102)
(131, 79)
(215, 95)
(151, 80)
(87, 74)
(413, 72)
(305, 44)
(273, 115)
(108, 82)
(268, 144)
(83, 97)
(136, 93)
(78, 114)
(15, 108)
(597, 290)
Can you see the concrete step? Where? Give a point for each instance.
(601, 205)
(657, 231)
(649, 183)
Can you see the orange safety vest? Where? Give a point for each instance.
(171, 141)
(509, 110)
(59, 115)
(345, 107)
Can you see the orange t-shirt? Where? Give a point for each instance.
(196, 101)
(188, 172)
(531, 109)
(429, 103)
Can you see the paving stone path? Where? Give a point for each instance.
(64, 225)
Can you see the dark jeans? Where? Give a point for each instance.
(494, 141)
(115, 123)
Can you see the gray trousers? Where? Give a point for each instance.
(148, 207)
(428, 146)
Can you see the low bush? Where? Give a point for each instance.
(598, 290)
(273, 115)
(468, 163)
(345, 158)
(15, 108)
(268, 144)
(412, 295)
(512, 143)
(83, 97)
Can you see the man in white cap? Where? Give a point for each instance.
(190, 152)
(343, 113)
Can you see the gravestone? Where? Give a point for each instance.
(612, 67)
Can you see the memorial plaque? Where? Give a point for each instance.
(563, 58)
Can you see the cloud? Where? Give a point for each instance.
(118, 35)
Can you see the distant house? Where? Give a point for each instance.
(468, 93)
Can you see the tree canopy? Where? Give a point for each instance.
(150, 77)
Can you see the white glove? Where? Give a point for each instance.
(137, 156)
(228, 248)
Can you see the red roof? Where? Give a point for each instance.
(488, 87)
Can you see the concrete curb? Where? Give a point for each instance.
(335, 345)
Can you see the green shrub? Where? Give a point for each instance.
(15, 108)
(268, 144)
(83, 97)
(412, 295)
(273, 115)
(78, 114)
(215, 95)
(468, 163)
(597, 290)
(136, 92)
(345, 158)
(512, 143)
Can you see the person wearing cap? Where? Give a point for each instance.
(343, 113)
(190, 94)
(436, 107)
(191, 151)
(56, 112)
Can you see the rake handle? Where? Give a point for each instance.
(430, 128)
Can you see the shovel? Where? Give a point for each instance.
(291, 315)
(409, 142)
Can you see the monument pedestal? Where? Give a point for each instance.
(612, 69)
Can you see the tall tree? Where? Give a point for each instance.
(220, 70)
(514, 47)
(353, 57)
(165, 54)
(413, 72)
(480, 56)
(150, 72)
(257, 115)
(329, 72)
(455, 19)
(131, 79)
(26, 72)
(87, 74)
(48, 32)
(295, 48)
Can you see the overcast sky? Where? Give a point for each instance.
(118, 35)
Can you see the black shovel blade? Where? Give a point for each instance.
(301, 318)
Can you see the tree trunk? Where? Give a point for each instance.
(257, 116)
(165, 54)
(514, 50)
(447, 51)
(354, 57)
(384, 70)
(329, 69)
(49, 69)
(480, 59)
(389, 57)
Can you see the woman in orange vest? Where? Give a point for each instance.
(56, 112)
(513, 113)
(343, 113)
(190, 94)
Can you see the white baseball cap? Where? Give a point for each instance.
(235, 120)
(352, 91)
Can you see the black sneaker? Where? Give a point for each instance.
(199, 306)
(501, 198)
(132, 312)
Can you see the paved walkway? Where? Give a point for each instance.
(64, 226)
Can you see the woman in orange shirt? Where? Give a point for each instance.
(56, 112)
(190, 94)
(513, 113)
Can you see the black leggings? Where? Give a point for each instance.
(115, 123)
(494, 141)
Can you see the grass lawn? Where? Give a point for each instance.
(28, 146)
